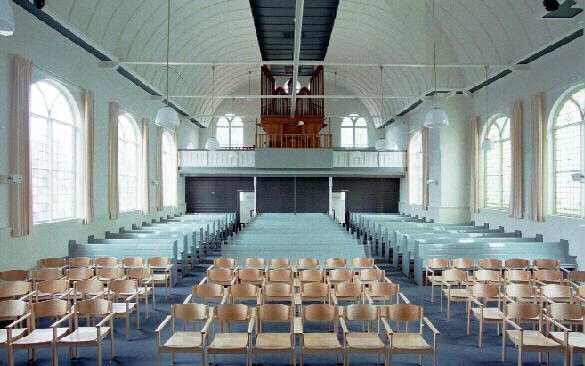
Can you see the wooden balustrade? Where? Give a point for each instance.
(294, 141)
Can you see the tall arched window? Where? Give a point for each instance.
(354, 132)
(415, 169)
(169, 169)
(568, 146)
(497, 163)
(54, 136)
(129, 163)
(230, 131)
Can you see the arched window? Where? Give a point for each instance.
(129, 163)
(230, 131)
(497, 163)
(54, 136)
(169, 169)
(415, 169)
(568, 142)
(354, 132)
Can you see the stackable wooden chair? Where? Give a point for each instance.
(433, 273)
(347, 292)
(226, 342)
(244, 292)
(279, 292)
(104, 262)
(271, 342)
(335, 263)
(224, 262)
(339, 275)
(253, 276)
(143, 275)
(319, 342)
(14, 275)
(279, 263)
(17, 312)
(128, 292)
(221, 276)
(368, 341)
(559, 315)
(308, 263)
(480, 295)
(383, 292)
(52, 289)
(161, 272)
(254, 263)
(454, 288)
(206, 292)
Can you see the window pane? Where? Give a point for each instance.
(415, 173)
(347, 122)
(361, 137)
(569, 113)
(128, 163)
(223, 136)
(63, 184)
(506, 172)
(237, 134)
(492, 169)
(347, 137)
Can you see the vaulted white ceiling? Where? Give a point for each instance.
(365, 31)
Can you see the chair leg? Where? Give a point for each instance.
(127, 326)
(432, 293)
(480, 333)
(112, 347)
(10, 355)
(137, 314)
(420, 359)
(301, 357)
(55, 354)
(99, 353)
(519, 356)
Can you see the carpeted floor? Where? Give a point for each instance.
(455, 347)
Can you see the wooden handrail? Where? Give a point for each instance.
(294, 141)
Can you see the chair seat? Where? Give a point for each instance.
(143, 290)
(273, 341)
(16, 333)
(229, 342)
(532, 338)
(42, 296)
(160, 277)
(488, 313)
(410, 342)
(457, 293)
(364, 341)
(184, 340)
(85, 334)
(576, 339)
(120, 307)
(437, 278)
(321, 341)
(41, 336)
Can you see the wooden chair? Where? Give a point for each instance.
(14, 275)
(254, 263)
(221, 276)
(463, 264)
(362, 263)
(552, 264)
(516, 263)
(346, 291)
(279, 263)
(88, 335)
(561, 314)
(161, 272)
(44, 337)
(518, 276)
(491, 276)
(491, 264)
(87, 289)
(312, 292)
(384, 292)
(339, 275)
(335, 263)
(526, 340)
(370, 275)
(369, 341)
(58, 263)
(16, 290)
(556, 293)
(52, 289)
(143, 275)
(108, 274)
(252, 276)
(127, 291)
(16, 311)
(206, 292)
(405, 342)
(80, 274)
(310, 276)
(185, 341)
(223, 262)
(280, 276)
(272, 342)
(225, 342)
(277, 292)
(46, 274)
(102, 262)
(80, 262)
(308, 263)
(455, 281)
(132, 262)
(433, 267)
(520, 292)
(576, 278)
(480, 294)
(543, 277)
(320, 342)
(244, 292)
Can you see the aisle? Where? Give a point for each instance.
(273, 235)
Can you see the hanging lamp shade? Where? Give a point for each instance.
(381, 144)
(211, 144)
(436, 118)
(167, 117)
(487, 144)
(7, 25)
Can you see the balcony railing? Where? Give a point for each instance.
(217, 159)
(294, 141)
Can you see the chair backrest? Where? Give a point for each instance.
(341, 274)
(46, 274)
(110, 273)
(224, 262)
(308, 263)
(85, 287)
(362, 262)
(133, 262)
(314, 289)
(438, 263)
(348, 289)
(319, 313)
(516, 263)
(139, 273)
(576, 276)
(385, 289)
(517, 275)
(250, 275)
(546, 263)
(554, 291)
(520, 291)
(52, 262)
(402, 312)
(12, 309)
(52, 286)
(274, 313)
(278, 290)
(254, 263)
(371, 274)
(107, 262)
(523, 311)
(93, 307)
(361, 312)
(279, 275)
(581, 291)
(76, 262)
(462, 263)
(190, 312)
(80, 273)
(14, 289)
(335, 262)
(207, 290)
(485, 291)
(159, 261)
(454, 275)
(14, 275)
(242, 290)
(50, 308)
(232, 312)
(563, 311)
(549, 275)
(311, 275)
(487, 275)
(490, 263)
(123, 286)
(279, 263)
(220, 274)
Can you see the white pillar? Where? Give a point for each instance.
(255, 200)
(330, 196)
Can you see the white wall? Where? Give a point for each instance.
(56, 54)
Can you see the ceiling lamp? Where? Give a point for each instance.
(212, 144)
(166, 116)
(486, 144)
(6, 19)
(436, 117)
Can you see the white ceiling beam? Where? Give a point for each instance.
(300, 4)
(257, 96)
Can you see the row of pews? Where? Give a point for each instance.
(409, 242)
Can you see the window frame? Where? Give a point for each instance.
(501, 143)
(229, 118)
(354, 118)
(139, 168)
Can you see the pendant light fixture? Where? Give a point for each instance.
(436, 117)
(7, 25)
(250, 99)
(486, 144)
(380, 144)
(166, 116)
(212, 144)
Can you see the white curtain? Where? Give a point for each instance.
(474, 166)
(425, 173)
(159, 172)
(145, 166)
(88, 114)
(113, 199)
(517, 177)
(20, 194)
(537, 183)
